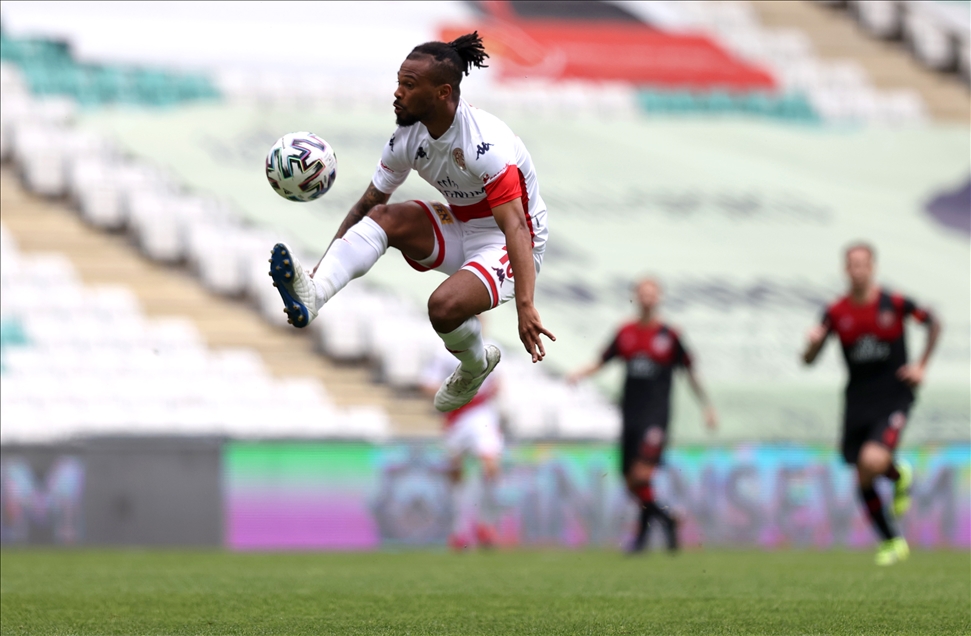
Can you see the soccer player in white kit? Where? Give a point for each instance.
(474, 431)
(489, 237)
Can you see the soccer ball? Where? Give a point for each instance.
(301, 166)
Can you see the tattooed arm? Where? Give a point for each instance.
(372, 197)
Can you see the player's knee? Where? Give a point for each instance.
(874, 460)
(381, 214)
(444, 312)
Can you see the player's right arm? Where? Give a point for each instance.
(372, 197)
(585, 372)
(816, 338)
(391, 172)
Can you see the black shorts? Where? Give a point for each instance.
(883, 429)
(642, 442)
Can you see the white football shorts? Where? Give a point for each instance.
(478, 246)
(475, 432)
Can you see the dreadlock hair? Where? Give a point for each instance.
(453, 58)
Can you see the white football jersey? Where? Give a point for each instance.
(477, 164)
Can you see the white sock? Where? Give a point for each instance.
(488, 504)
(349, 257)
(465, 343)
(457, 519)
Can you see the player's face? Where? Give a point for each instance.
(859, 268)
(414, 100)
(648, 295)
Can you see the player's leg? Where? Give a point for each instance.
(452, 309)
(455, 445)
(485, 281)
(876, 460)
(651, 452)
(899, 471)
(637, 476)
(855, 434)
(406, 226)
(488, 445)
(639, 484)
(486, 531)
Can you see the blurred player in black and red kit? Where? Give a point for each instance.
(652, 350)
(870, 324)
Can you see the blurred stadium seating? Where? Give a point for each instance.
(180, 183)
(84, 360)
(48, 68)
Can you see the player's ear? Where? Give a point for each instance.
(445, 92)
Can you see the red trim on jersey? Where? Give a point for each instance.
(492, 283)
(465, 213)
(439, 238)
(525, 197)
(505, 187)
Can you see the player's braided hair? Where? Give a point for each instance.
(454, 58)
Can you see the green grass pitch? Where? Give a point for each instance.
(519, 592)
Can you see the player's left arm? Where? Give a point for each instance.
(913, 374)
(685, 360)
(511, 218)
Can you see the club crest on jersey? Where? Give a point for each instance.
(654, 436)
(897, 420)
(661, 343)
(459, 158)
(443, 214)
(885, 318)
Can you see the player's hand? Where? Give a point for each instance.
(530, 328)
(816, 335)
(911, 374)
(711, 418)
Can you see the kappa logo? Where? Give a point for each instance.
(443, 214)
(459, 158)
(482, 148)
(421, 154)
(500, 274)
(391, 143)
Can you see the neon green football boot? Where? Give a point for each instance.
(901, 489)
(892, 551)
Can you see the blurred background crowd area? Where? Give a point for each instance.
(658, 127)
(730, 148)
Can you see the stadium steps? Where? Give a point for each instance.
(889, 65)
(40, 225)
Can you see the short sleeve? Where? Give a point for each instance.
(494, 161)
(612, 350)
(682, 357)
(826, 320)
(910, 308)
(393, 167)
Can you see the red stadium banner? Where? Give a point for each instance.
(618, 51)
